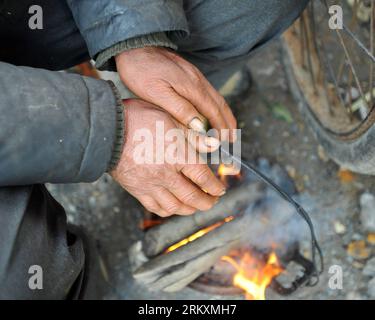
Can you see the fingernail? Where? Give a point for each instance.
(197, 125)
(225, 135)
(222, 192)
(234, 135)
(212, 142)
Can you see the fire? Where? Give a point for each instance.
(225, 170)
(254, 276)
(149, 223)
(198, 234)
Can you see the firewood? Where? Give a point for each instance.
(161, 237)
(174, 270)
(191, 270)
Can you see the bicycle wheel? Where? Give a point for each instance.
(331, 74)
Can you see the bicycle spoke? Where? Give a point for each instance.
(359, 43)
(334, 64)
(371, 80)
(308, 47)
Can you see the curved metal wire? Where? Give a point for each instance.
(315, 247)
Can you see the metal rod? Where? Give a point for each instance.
(315, 247)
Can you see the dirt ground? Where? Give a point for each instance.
(112, 216)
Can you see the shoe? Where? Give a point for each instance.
(237, 84)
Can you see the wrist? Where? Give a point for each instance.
(106, 59)
(119, 131)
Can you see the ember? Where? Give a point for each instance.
(198, 234)
(149, 223)
(224, 170)
(253, 274)
(227, 250)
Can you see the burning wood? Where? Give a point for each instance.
(186, 259)
(178, 251)
(253, 276)
(198, 234)
(159, 238)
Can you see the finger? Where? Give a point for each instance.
(179, 108)
(200, 93)
(203, 177)
(226, 111)
(209, 109)
(200, 142)
(149, 204)
(153, 206)
(171, 205)
(191, 195)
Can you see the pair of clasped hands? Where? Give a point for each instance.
(174, 92)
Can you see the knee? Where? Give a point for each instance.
(35, 260)
(237, 32)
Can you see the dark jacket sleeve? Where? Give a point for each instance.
(56, 127)
(105, 23)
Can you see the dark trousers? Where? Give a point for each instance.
(33, 228)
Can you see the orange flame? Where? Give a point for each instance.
(224, 170)
(254, 276)
(198, 234)
(149, 223)
(227, 170)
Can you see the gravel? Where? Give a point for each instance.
(367, 203)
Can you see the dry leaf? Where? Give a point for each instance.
(345, 176)
(371, 238)
(358, 250)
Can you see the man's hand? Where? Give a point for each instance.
(160, 76)
(166, 188)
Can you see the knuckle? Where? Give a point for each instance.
(202, 177)
(172, 183)
(221, 101)
(172, 208)
(180, 109)
(158, 174)
(194, 74)
(207, 206)
(214, 114)
(191, 197)
(151, 207)
(191, 211)
(156, 88)
(163, 214)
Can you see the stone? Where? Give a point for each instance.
(371, 289)
(369, 269)
(339, 227)
(353, 295)
(322, 154)
(367, 214)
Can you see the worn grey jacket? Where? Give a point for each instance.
(62, 128)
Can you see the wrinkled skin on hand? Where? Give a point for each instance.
(163, 78)
(164, 189)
